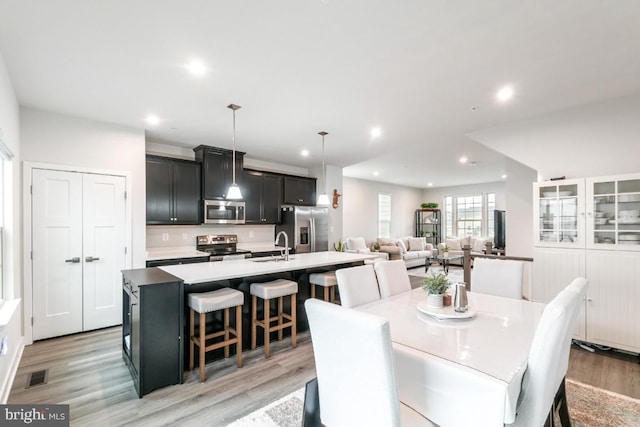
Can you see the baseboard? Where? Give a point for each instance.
(5, 388)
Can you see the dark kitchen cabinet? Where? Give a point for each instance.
(173, 191)
(217, 171)
(299, 191)
(152, 328)
(262, 193)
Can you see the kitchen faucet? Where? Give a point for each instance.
(286, 244)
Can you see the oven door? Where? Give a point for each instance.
(223, 212)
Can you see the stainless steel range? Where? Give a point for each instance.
(221, 247)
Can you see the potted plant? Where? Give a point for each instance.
(445, 251)
(376, 246)
(339, 246)
(436, 287)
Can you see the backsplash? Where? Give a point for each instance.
(159, 236)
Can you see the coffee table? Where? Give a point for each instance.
(444, 259)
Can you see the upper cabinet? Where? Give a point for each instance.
(299, 191)
(559, 213)
(613, 212)
(596, 213)
(262, 193)
(173, 191)
(217, 171)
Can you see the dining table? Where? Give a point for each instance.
(460, 369)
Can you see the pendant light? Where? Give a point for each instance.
(234, 191)
(323, 199)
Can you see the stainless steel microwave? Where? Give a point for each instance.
(223, 212)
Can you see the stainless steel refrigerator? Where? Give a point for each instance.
(307, 228)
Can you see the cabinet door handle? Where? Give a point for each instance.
(91, 259)
(73, 260)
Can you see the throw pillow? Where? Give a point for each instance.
(478, 245)
(402, 246)
(416, 244)
(356, 243)
(453, 244)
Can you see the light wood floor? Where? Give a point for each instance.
(87, 372)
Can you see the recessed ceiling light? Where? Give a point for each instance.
(463, 159)
(196, 68)
(304, 153)
(152, 120)
(505, 94)
(430, 184)
(376, 132)
(376, 173)
(504, 176)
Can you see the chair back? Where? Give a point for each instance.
(502, 278)
(549, 355)
(354, 366)
(393, 277)
(357, 285)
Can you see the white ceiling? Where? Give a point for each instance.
(424, 71)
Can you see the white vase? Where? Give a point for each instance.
(434, 301)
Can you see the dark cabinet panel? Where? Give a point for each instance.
(217, 171)
(152, 328)
(173, 191)
(299, 191)
(262, 193)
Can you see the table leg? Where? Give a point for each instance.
(445, 265)
(427, 264)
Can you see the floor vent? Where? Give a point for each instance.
(37, 378)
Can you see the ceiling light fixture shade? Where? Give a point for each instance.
(323, 199)
(234, 191)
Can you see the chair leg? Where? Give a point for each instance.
(326, 294)
(267, 323)
(226, 332)
(280, 318)
(203, 331)
(294, 337)
(311, 408)
(313, 290)
(254, 318)
(191, 336)
(239, 335)
(560, 402)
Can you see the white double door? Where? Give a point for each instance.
(78, 251)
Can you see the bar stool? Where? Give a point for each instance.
(275, 289)
(207, 302)
(328, 281)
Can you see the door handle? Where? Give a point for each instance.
(91, 259)
(73, 260)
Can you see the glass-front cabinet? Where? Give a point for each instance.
(613, 212)
(559, 213)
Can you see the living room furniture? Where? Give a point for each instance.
(392, 277)
(497, 277)
(355, 369)
(590, 227)
(412, 250)
(461, 388)
(445, 259)
(428, 224)
(209, 302)
(267, 291)
(357, 285)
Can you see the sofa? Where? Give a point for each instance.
(414, 251)
(455, 245)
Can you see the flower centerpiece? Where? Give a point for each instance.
(436, 287)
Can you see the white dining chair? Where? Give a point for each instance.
(393, 277)
(357, 285)
(357, 384)
(549, 357)
(498, 277)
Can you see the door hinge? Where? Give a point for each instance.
(32, 321)
(31, 255)
(31, 189)
(125, 195)
(125, 250)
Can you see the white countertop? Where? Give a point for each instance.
(220, 270)
(174, 252)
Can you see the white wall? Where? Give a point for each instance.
(360, 212)
(12, 277)
(519, 208)
(70, 141)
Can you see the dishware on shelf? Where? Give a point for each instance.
(600, 214)
(631, 213)
(600, 221)
(629, 198)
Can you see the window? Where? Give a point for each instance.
(384, 215)
(469, 215)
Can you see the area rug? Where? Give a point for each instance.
(588, 407)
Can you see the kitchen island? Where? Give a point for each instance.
(236, 274)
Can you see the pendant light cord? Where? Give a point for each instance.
(233, 155)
